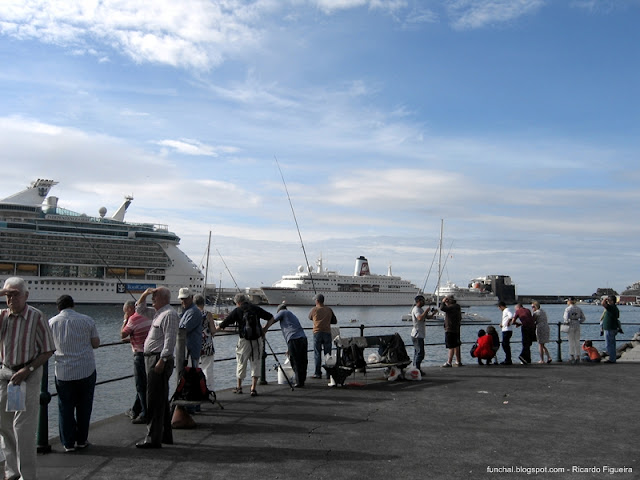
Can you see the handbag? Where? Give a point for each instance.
(564, 328)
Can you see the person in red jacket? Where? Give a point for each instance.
(484, 349)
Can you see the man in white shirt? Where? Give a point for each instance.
(75, 336)
(507, 330)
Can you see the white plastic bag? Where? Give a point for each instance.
(412, 373)
(374, 358)
(16, 397)
(329, 360)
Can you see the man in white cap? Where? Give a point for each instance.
(191, 321)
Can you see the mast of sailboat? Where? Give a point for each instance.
(206, 270)
(439, 262)
(313, 285)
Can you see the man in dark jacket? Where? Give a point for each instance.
(452, 320)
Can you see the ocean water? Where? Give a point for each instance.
(115, 361)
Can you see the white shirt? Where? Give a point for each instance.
(419, 330)
(72, 334)
(506, 318)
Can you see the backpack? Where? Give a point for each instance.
(250, 328)
(192, 386)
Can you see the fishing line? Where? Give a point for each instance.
(230, 274)
(278, 363)
(106, 264)
(313, 285)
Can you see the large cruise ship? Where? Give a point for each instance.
(361, 288)
(93, 259)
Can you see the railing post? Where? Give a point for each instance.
(180, 351)
(42, 435)
(263, 362)
(559, 342)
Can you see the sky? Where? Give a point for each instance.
(294, 129)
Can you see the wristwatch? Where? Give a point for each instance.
(31, 369)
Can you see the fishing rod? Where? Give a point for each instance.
(278, 363)
(230, 274)
(313, 285)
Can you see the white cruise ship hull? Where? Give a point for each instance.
(276, 296)
(361, 288)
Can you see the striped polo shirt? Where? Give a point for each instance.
(23, 336)
(137, 328)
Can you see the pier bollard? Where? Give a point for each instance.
(42, 435)
(361, 330)
(559, 342)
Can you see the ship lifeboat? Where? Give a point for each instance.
(6, 267)
(115, 271)
(27, 268)
(136, 272)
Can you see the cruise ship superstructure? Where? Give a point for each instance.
(93, 259)
(361, 288)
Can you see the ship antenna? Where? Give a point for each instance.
(313, 285)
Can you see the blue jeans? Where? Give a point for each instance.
(140, 376)
(75, 402)
(418, 351)
(321, 341)
(610, 342)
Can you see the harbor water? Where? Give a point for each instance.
(115, 361)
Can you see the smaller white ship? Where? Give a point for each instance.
(474, 296)
(361, 288)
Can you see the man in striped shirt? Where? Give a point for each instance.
(75, 336)
(135, 328)
(26, 344)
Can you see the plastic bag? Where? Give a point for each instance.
(412, 373)
(16, 397)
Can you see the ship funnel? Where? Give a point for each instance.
(362, 267)
(33, 195)
(119, 215)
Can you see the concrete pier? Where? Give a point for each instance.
(465, 422)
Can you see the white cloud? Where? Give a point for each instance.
(194, 147)
(470, 14)
(189, 33)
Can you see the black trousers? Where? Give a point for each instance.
(299, 359)
(506, 345)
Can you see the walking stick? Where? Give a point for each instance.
(278, 363)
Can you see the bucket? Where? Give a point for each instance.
(288, 370)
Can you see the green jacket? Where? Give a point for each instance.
(610, 317)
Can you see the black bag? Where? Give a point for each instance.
(473, 349)
(353, 357)
(192, 386)
(250, 328)
(395, 351)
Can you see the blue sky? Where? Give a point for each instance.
(515, 121)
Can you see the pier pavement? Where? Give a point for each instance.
(462, 422)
